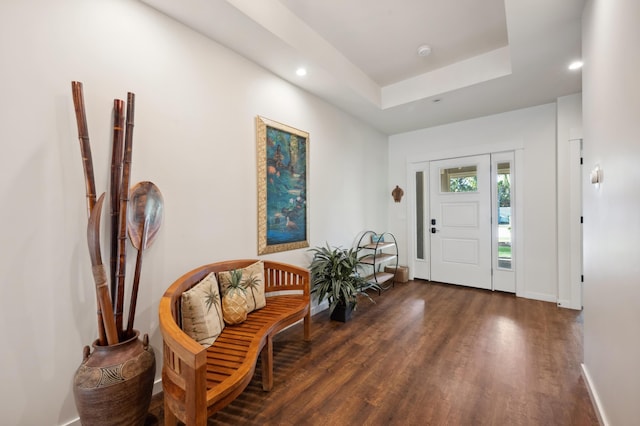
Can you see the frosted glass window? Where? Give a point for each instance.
(420, 215)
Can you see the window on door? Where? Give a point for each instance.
(504, 215)
(459, 179)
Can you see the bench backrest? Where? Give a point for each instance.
(278, 277)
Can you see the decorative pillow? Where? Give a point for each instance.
(202, 311)
(252, 281)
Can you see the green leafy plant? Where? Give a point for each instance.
(335, 276)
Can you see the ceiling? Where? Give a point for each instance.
(486, 57)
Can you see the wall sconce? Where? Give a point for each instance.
(397, 194)
(596, 175)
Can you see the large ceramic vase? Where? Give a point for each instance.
(113, 385)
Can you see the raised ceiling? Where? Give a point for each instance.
(487, 56)
(382, 37)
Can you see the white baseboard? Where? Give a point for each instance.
(568, 304)
(319, 308)
(75, 422)
(595, 399)
(539, 296)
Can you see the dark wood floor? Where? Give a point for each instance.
(424, 354)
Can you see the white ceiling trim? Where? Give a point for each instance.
(273, 16)
(277, 30)
(481, 68)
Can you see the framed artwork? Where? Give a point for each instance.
(283, 168)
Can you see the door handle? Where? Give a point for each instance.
(434, 230)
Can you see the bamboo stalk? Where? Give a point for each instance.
(100, 277)
(99, 273)
(124, 199)
(85, 147)
(116, 179)
(87, 166)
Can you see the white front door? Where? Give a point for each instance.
(460, 225)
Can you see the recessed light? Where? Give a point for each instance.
(575, 65)
(301, 72)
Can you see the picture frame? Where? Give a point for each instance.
(283, 172)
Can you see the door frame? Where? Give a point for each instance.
(422, 164)
(576, 180)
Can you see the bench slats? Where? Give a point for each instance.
(223, 363)
(218, 369)
(226, 368)
(214, 378)
(214, 355)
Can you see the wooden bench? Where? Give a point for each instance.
(198, 381)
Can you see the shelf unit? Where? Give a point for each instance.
(378, 250)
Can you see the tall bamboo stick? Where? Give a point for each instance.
(116, 181)
(124, 199)
(85, 147)
(87, 166)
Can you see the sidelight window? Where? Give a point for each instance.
(503, 215)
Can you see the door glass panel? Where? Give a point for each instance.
(459, 179)
(420, 215)
(504, 215)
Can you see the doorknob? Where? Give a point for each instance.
(434, 230)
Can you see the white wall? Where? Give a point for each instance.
(534, 131)
(194, 137)
(611, 107)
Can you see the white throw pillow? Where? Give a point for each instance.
(202, 311)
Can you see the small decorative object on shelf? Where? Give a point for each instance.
(380, 250)
(113, 384)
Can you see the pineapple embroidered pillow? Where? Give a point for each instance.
(234, 300)
(253, 283)
(202, 316)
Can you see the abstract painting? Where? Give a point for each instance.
(283, 166)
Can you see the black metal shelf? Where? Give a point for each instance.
(376, 258)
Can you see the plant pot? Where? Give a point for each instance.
(342, 312)
(113, 385)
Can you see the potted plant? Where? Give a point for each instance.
(335, 277)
